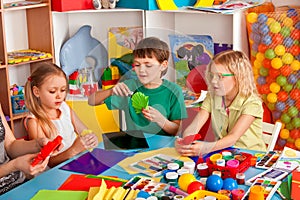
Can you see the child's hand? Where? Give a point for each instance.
(90, 140)
(43, 141)
(23, 163)
(121, 89)
(153, 115)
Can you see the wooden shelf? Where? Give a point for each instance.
(26, 7)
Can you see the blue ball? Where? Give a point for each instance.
(264, 29)
(229, 184)
(267, 39)
(214, 183)
(288, 41)
(261, 80)
(262, 18)
(292, 78)
(280, 106)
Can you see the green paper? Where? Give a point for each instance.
(60, 194)
(139, 102)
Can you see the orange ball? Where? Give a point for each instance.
(284, 134)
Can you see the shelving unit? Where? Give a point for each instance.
(22, 27)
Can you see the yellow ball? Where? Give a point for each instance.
(288, 22)
(257, 64)
(270, 20)
(260, 56)
(295, 65)
(284, 134)
(276, 63)
(274, 87)
(297, 143)
(184, 181)
(287, 58)
(279, 50)
(252, 17)
(272, 97)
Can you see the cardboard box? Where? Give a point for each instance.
(67, 5)
(150, 4)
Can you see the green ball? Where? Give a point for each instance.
(285, 31)
(289, 126)
(270, 54)
(298, 84)
(296, 122)
(285, 118)
(264, 71)
(281, 80)
(293, 111)
(287, 87)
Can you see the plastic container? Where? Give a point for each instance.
(18, 104)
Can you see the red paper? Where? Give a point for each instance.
(190, 139)
(295, 190)
(79, 182)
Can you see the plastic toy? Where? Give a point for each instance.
(214, 183)
(185, 180)
(47, 150)
(194, 186)
(98, 4)
(229, 184)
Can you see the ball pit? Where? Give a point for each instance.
(274, 38)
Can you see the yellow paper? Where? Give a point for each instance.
(169, 151)
(92, 192)
(118, 194)
(110, 193)
(204, 3)
(102, 191)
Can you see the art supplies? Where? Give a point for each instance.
(268, 160)
(269, 187)
(270, 174)
(288, 160)
(155, 165)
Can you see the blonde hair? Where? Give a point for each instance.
(238, 64)
(33, 104)
(152, 47)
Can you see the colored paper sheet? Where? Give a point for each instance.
(295, 190)
(79, 182)
(95, 162)
(169, 151)
(60, 194)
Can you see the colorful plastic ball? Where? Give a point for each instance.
(290, 101)
(281, 142)
(261, 80)
(184, 180)
(276, 115)
(272, 97)
(251, 17)
(265, 89)
(274, 73)
(287, 58)
(282, 96)
(279, 50)
(291, 12)
(285, 118)
(276, 63)
(286, 70)
(260, 56)
(257, 64)
(271, 106)
(292, 79)
(270, 20)
(229, 184)
(256, 38)
(295, 94)
(293, 111)
(277, 39)
(296, 122)
(298, 84)
(288, 41)
(284, 134)
(287, 87)
(194, 186)
(214, 183)
(294, 50)
(262, 18)
(285, 31)
(274, 87)
(295, 34)
(264, 71)
(297, 143)
(297, 25)
(270, 79)
(280, 106)
(295, 133)
(288, 22)
(291, 145)
(270, 54)
(264, 29)
(275, 27)
(262, 48)
(281, 80)
(295, 65)
(266, 39)
(267, 63)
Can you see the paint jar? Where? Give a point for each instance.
(232, 163)
(217, 173)
(182, 171)
(178, 197)
(202, 169)
(226, 153)
(213, 158)
(203, 181)
(225, 192)
(221, 162)
(253, 160)
(152, 198)
(190, 165)
(173, 167)
(237, 194)
(256, 193)
(171, 178)
(240, 178)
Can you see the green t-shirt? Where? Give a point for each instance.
(222, 123)
(167, 99)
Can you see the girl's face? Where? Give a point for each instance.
(149, 71)
(52, 92)
(222, 81)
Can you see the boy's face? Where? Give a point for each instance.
(149, 71)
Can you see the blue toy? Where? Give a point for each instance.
(76, 50)
(214, 183)
(229, 184)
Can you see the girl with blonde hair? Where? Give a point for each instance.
(234, 105)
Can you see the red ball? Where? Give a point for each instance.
(295, 94)
(264, 89)
(294, 50)
(274, 72)
(194, 186)
(282, 96)
(277, 39)
(290, 145)
(295, 133)
(262, 48)
(295, 34)
(267, 63)
(286, 70)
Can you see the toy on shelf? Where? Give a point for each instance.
(110, 77)
(73, 83)
(106, 4)
(20, 3)
(17, 99)
(26, 55)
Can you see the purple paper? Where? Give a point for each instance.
(95, 162)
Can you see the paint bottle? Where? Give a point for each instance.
(237, 194)
(256, 193)
(173, 167)
(202, 169)
(190, 165)
(182, 171)
(171, 178)
(240, 178)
